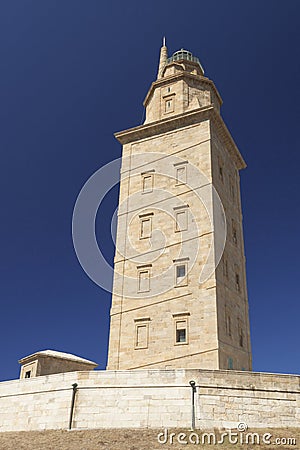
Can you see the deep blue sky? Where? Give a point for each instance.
(75, 71)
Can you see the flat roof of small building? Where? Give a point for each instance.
(56, 354)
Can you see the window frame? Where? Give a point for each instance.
(181, 210)
(140, 270)
(169, 98)
(178, 318)
(241, 334)
(144, 175)
(241, 338)
(234, 232)
(145, 218)
(228, 327)
(237, 279)
(178, 263)
(142, 322)
(179, 181)
(221, 169)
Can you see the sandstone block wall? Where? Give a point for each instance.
(150, 398)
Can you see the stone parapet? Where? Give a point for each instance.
(151, 399)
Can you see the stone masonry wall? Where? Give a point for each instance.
(150, 398)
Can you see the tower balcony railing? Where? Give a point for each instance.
(183, 54)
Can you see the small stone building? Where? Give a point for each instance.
(48, 362)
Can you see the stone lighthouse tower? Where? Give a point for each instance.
(179, 296)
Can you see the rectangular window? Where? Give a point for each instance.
(147, 182)
(169, 105)
(181, 328)
(141, 336)
(181, 219)
(141, 332)
(221, 173)
(181, 172)
(237, 282)
(241, 338)
(181, 273)
(230, 363)
(221, 169)
(228, 324)
(145, 226)
(28, 374)
(143, 279)
(241, 333)
(181, 175)
(180, 335)
(234, 232)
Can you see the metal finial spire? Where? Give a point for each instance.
(164, 41)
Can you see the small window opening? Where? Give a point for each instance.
(147, 183)
(181, 175)
(241, 338)
(181, 220)
(237, 282)
(234, 233)
(145, 227)
(169, 105)
(180, 271)
(228, 325)
(221, 172)
(180, 336)
(141, 340)
(143, 280)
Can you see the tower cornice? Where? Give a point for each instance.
(181, 121)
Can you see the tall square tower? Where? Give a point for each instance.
(179, 295)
